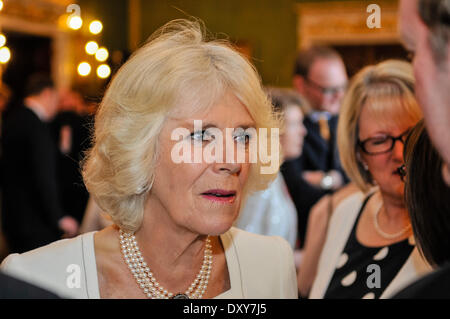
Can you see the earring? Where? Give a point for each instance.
(145, 188)
(364, 164)
(140, 190)
(359, 159)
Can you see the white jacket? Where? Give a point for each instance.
(339, 229)
(259, 267)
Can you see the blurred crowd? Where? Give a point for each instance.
(43, 141)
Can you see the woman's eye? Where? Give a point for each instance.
(201, 136)
(379, 141)
(198, 136)
(242, 138)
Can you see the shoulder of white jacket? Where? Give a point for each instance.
(61, 251)
(257, 245)
(239, 235)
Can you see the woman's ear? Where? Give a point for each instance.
(446, 173)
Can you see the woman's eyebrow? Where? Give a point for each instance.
(374, 135)
(247, 125)
(205, 126)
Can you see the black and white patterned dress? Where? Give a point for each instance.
(365, 272)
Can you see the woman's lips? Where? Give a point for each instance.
(220, 195)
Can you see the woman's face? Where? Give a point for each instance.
(294, 132)
(202, 198)
(383, 167)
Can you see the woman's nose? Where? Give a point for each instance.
(232, 159)
(397, 151)
(228, 168)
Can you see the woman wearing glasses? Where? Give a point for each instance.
(369, 252)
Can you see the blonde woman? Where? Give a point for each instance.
(369, 251)
(172, 235)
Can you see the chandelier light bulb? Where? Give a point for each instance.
(75, 22)
(96, 27)
(91, 47)
(5, 55)
(84, 69)
(102, 54)
(103, 71)
(2, 40)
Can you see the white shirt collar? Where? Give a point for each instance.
(316, 115)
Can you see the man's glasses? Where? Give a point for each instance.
(381, 144)
(330, 91)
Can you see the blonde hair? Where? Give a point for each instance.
(388, 90)
(284, 97)
(177, 69)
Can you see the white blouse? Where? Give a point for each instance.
(270, 212)
(258, 266)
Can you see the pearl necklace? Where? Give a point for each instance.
(382, 233)
(147, 282)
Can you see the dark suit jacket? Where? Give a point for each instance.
(31, 206)
(317, 154)
(74, 195)
(11, 288)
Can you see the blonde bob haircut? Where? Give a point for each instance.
(387, 89)
(177, 71)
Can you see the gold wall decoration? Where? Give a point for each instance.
(43, 18)
(41, 11)
(344, 23)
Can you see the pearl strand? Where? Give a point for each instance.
(386, 235)
(147, 282)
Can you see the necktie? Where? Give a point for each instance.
(324, 128)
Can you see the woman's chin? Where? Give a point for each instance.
(398, 191)
(218, 230)
(219, 227)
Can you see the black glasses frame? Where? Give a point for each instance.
(401, 138)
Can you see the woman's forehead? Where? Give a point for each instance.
(389, 117)
(227, 111)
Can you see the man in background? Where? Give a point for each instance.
(425, 31)
(31, 210)
(321, 78)
(71, 127)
